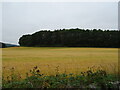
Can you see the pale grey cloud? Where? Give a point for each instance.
(22, 18)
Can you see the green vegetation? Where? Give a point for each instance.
(60, 67)
(72, 38)
(2, 45)
(92, 78)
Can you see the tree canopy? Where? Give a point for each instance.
(2, 45)
(71, 38)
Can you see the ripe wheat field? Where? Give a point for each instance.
(64, 59)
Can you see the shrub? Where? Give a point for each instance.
(90, 79)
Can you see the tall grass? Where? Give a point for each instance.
(69, 60)
(67, 67)
(92, 78)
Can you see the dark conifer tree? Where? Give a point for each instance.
(71, 38)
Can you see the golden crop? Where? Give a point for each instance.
(62, 59)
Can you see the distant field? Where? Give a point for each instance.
(48, 59)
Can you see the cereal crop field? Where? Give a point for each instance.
(62, 59)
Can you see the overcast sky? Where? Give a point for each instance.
(24, 18)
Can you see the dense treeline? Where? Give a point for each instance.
(2, 45)
(71, 38)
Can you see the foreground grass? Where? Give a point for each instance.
(92, 78)
(69, 60)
